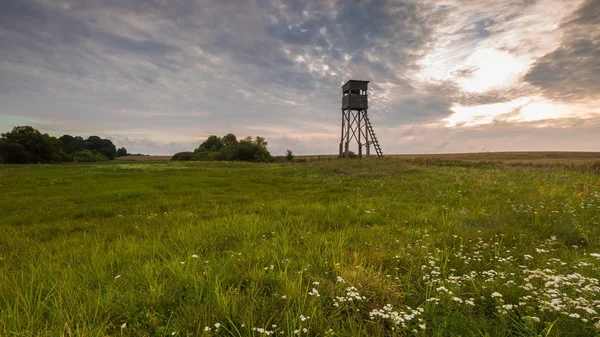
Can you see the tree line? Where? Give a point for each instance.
(27, 145)
(228, 148)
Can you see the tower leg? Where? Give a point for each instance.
(367, 137)
(359, 134)
(343, 129)
(348, 112)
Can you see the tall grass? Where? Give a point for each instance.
(344, 248)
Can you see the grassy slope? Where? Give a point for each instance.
(87, 248)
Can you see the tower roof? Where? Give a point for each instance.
(355, 81)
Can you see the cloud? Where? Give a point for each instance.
(570, 73)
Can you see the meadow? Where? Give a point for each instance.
(392, 247)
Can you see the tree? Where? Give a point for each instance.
(122, 152)
(229, 148)
(11, 152)
(98, 144)
(72, 144)
(211, 144)
(289, 155)
(261, 142)
(25, 144)
(229, 140)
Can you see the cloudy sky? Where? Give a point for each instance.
(159, 76)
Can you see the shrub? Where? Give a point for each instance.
(87, 156)
(186, 155)
(289, 155)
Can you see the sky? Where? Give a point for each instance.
(158, 76)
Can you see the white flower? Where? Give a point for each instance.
(422, 326)
(304, 318)
(574, 315)
(496, 294)
(195, 256)
(314, 292)
(596, 255)
(124, 325)
(528, 257)
(206, 328)
(116, 277)
(532, 318)
(217, 325)
(315, 283)
(305, 330)
(283, 297)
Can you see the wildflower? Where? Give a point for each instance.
(195, 256)
(305, 330)
(596, 255)
(283, 297)
(528, 257)
(496, 294)
(457, 299)
(304, 318)
(315, 283)
(124, 325)
(422, 326)
(314, 292)
(340, 279)
(574, 315)
(116, 277)
(217, 325)
(206, 328)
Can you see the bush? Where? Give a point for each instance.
(289, 155)
(186, 155)
(231, 149)
(87, 156)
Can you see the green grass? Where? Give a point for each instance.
(339, 248)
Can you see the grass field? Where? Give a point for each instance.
(325, 248)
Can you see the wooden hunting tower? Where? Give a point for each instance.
(355, 121)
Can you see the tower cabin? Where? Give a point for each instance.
(354, 95)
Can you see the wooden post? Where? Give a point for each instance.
(342, 137)
(367, 137)
(359, 132)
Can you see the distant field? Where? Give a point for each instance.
(324, 248)
(505, 157)
(144, 158)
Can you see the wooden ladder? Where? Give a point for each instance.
(373, 140)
